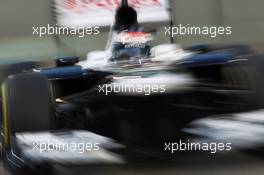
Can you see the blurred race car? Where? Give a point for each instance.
(131, 92)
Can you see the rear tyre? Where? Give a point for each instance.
(247, 75)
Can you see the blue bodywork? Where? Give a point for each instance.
(208, 59)
(218, 57)
(64, 72)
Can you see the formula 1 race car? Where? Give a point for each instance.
(132, 94)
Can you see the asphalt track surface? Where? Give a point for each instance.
(155, 161)
(240, 163)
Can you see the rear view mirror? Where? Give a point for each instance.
(66, 61)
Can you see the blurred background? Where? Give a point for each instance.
(18, 17)
(246, 17)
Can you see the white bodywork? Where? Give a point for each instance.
(162, 53)
(169, 83)
(244, 130)
(67, 147)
